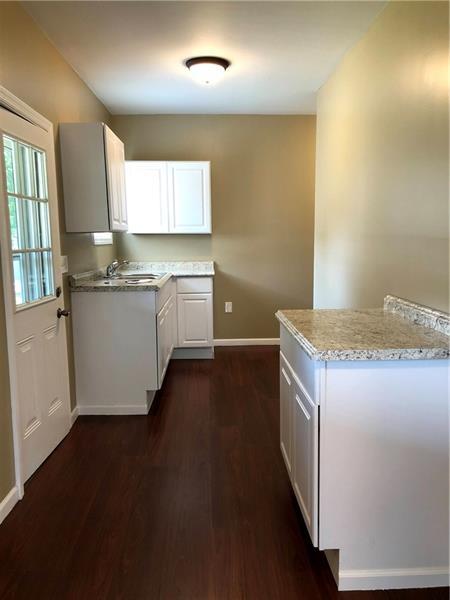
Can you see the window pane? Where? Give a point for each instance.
(47, 271)
(44, 225)
(9, 146)
(34, 276)
(15, 224)
(19, 278)
(40, 175)
(31, 222)
(26, 179)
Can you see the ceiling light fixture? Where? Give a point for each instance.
(207, 69)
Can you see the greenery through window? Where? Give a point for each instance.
(26, 186)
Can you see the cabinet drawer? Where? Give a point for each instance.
(194, 285)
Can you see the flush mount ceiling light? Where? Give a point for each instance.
(207, 69)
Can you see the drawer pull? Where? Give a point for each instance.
(286, 376)
(302, 406)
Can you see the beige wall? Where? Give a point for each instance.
(382, 165)
(33, 70)
(262, 170)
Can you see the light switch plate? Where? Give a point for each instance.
(64, 264)
(228, 307)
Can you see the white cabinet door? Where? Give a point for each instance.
(189, 196)
(115, 169)
(286, 398)
(305, 458)
(173, 324)
(194, 320)
(121, 188)
(146, 191)
(164, 334)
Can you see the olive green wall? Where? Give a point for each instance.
(32, 69)
(382, 165)
(262, 171)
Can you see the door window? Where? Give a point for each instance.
(29, 219)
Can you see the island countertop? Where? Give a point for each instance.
(402, 330)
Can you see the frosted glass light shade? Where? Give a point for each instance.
(207, 69)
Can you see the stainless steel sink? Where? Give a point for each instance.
(136, 276)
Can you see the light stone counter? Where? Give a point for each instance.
(94, 281)
(402, 330)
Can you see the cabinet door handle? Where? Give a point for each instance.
(302, 406)
(286, 376)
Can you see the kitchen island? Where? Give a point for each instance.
(364, 435)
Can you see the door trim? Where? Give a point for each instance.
(19, 108)
(16, 106)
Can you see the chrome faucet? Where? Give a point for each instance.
(111, 269)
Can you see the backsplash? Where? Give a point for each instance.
(419, 314)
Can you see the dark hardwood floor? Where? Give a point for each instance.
(190, 502)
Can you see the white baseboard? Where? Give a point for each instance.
(74, 415)
(8, 503)
(390, 579)
(248, 342)
(113, 409)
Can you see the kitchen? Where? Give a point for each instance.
(339, 202)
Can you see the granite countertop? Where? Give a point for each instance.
(402, 330)
(94, 281)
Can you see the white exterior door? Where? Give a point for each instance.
(189, 194)
(33, 289)
(146, 191)
(115, 168)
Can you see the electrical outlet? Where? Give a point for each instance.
(228, 307)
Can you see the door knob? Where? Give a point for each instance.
(62, 312)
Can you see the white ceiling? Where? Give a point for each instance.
(131, 54)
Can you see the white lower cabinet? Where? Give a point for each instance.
(195, 312)
(372, 481)
(123, 341)
(299, 443)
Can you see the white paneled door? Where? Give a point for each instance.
(34, 298)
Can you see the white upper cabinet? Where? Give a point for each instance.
(169, 197)
(147, 196)
(93, 169)
(189, 192)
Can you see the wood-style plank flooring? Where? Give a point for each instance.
(189, 502)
